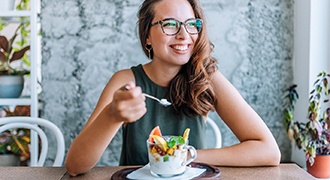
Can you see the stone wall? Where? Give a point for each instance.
(85, 41)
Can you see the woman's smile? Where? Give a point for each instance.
(180, 48)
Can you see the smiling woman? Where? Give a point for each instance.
(182, 70)
(85, 43)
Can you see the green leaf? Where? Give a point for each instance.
(175, 140)
(312, 105)
(181, 140)
(288, 115)
(3, 148)
(166, 158)
(312, 92)
(326, 86)
(318, 88)
(171, 144)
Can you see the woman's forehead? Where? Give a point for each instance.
(177, 9)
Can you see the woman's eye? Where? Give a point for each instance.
(191, 24)
(169, 24)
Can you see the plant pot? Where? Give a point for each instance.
(7, 5)
(11, 86)
(9, 160)
(321, 167)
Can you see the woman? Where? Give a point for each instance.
(173, 34)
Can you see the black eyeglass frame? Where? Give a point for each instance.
(180, 23)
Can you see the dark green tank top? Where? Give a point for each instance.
(135, 135)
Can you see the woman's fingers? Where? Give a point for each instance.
(133, 113)
(128, 103)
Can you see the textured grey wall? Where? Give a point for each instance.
(86, 41)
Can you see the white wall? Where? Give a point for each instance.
(319, 37)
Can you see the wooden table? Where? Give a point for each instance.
(282, 172)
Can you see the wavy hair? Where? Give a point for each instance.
(190, 91)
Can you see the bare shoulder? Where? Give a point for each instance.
(124, 73)
(225, 91)
(119, 79)
(220, 82)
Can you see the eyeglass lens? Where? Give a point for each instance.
(172, 26)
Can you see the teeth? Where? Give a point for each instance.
(180, 48)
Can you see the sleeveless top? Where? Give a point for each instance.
(135, 135)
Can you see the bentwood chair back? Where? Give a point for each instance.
(35, 124)
(210, 124)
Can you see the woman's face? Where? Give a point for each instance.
(176, 49)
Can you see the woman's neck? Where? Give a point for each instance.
(160, 74)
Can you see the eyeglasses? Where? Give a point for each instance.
(172, 26)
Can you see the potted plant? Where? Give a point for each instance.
(14, 144)
(11, 77)
(313, 136)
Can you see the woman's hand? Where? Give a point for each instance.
(128, 104)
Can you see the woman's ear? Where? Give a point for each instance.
(148, 41)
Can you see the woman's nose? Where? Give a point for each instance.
(182, 34)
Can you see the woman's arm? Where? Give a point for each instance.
(116, 106)
(257, 145)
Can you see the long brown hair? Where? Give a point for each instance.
(190, 90)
